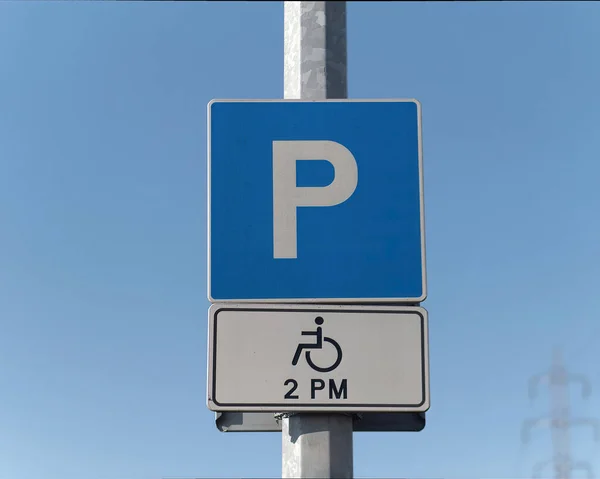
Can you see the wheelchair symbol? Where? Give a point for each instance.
(318, 345)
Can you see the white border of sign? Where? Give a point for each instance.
(211, 352)
(322, 300)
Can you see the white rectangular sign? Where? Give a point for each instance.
(285, 358)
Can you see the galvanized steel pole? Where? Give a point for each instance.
(316, 445)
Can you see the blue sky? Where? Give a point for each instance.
(102, 227)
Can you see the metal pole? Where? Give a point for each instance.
(315, 68)
(315, 50)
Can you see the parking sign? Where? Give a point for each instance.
(315, 201)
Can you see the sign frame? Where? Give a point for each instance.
(214, 405)
(324, 300)
(232, 421)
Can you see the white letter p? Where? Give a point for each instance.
(287, 196)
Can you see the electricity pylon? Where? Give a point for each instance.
(557, 379)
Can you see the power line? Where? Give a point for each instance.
(559, 420)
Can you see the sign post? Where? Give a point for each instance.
(315, 68)
(315, 228)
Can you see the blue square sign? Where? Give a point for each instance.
(315, 201)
